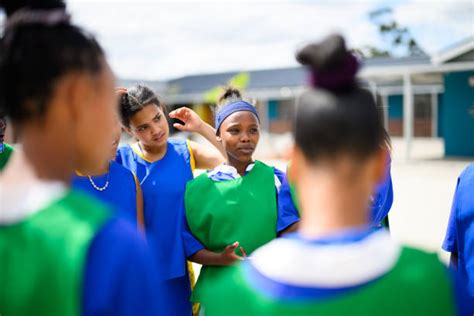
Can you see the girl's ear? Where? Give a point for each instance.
(129, 131)
(293, 165)
(218, 138)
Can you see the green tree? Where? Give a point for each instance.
(398, 38)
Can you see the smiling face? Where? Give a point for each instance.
(239, 134)
(150, 126)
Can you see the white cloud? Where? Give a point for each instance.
(437, 24)
(156, 41)
(148, 39)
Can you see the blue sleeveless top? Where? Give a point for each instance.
(163, 185)
(121, 192)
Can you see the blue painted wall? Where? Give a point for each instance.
(273, 110)
(395, 106)
(458, 114)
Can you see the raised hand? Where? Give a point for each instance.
(121, 90)
(192, 121)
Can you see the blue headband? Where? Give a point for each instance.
(231, 109)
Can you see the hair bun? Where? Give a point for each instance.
(332, 66)
(229, 95)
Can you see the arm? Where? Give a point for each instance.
(450, 243)
(453, 260)
(205, 157)
(196, 252)
(289, 229)
(140, 216)
(225, 258)
(193, 123)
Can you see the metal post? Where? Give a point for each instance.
(373, 89)
(385, 111)
(264, 116)
(408, 113)
(434, 114)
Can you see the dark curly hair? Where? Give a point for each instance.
(35, 54)
(135, 100)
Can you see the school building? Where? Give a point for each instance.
(428, 96)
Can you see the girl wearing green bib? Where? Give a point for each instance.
(336, 263)
(235, 203)
(61, 252)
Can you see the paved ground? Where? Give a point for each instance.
(423, 189)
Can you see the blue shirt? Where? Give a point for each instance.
(460, 232)
(381, 203)
(121, 191)
(119, 277)
(163, 185)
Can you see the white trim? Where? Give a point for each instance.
(299, 263)
(385, 111)
(416, 89)
(24, 195)
(434, 114)
(399, 71)
(453, 52)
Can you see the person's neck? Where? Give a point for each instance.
(330, 204)
(97, 170)
(240, 166)
(153, 153)
(47, 159)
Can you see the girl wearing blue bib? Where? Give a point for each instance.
(118, 187)
(113, 184)
(163, 167)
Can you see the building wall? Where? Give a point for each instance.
(281, 114)
(423, 115)
(395, 115)
(458, 114)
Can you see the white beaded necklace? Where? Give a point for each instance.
(97, 187)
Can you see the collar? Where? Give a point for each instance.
(298, 262)
(22, 193)
(225, 172)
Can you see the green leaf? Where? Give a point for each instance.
(240, 80)
(212, 95)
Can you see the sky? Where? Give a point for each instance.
(160, 40)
